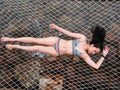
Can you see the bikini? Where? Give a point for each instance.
(56, 47)
(75, 52)
(75, 42)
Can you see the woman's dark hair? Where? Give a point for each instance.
(98, 37)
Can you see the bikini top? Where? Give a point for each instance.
(75, 52)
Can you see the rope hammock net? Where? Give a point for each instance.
(21, 70)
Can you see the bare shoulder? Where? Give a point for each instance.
(83, 39)
(79, 36)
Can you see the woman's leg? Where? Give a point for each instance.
(43, 41)
(43, 49)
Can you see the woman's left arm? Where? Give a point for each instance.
(70, 34)
(90, 62)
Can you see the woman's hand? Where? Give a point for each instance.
(52, 26)
(106, 50)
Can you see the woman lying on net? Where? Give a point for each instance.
(56, 46)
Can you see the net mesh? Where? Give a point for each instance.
(21, 70)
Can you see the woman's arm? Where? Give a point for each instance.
(90, 62)
(74, 35)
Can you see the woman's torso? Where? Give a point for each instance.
(66, 46)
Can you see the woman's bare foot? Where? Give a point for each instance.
(9, 46)
(4, 39)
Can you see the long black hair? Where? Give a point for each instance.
(98, 37)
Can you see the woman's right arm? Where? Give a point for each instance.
(91, 63)
(68, 33)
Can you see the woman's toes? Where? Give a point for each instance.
(3, 39)
(9, 46)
